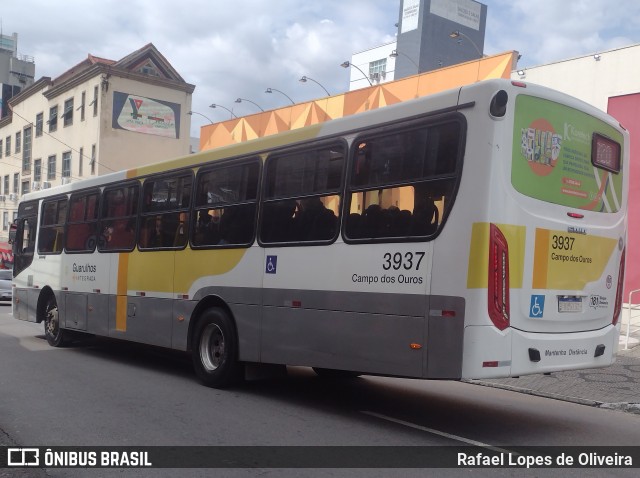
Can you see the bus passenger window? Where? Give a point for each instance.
(225, 205)
(402, 183)
(51, 236)
(303, 195)
(117, 230)
(83, 222)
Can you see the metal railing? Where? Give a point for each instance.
(633, 318)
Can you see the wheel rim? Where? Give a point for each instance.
(212, 347)
(51, 322)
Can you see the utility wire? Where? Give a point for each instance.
(62, 142)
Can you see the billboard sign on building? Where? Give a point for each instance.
(145, 115)
(463, 12)
(410, 15)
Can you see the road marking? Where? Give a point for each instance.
(437, 432)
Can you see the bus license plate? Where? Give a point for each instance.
(569, 304)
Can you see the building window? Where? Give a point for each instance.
(5, 220)
(80, 161)
(16, 182)
(51, 167)
(6, 184)
(39, 123)
(26, 151)
(1, 150)
(67, 115)
(95, 101)
(83, 99)
(93, 159)
(24, 187)
(37, 170)
(378, 69)
(66, 164)
(18, 141)
(7, 146)
(53, 119)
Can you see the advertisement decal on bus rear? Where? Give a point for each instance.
(552, 157)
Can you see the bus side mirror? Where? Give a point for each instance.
(13, 228)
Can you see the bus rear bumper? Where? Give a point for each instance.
(490, 353)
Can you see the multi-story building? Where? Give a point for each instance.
(431, 34)
(16, 71)
(99, 116)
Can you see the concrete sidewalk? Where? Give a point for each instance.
(615, 387)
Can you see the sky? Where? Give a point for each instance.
(230, 49)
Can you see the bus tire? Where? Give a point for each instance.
(54, 334)
(335, 374)
(215, 349)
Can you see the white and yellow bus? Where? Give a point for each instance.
(475, 233)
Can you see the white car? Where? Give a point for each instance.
(6, 289)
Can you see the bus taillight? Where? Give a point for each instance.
(498, 285)
(617, 309)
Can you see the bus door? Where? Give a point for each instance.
(23, 239)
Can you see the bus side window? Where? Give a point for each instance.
(402, 183)
(117, 229)
(225, 205)
(51, 237)
(82, 224)
(302, 199)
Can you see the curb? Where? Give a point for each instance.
(537, 393)
(627, 407)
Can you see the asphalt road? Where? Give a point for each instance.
(100, 392)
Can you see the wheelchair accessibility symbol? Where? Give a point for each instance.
(536, 308)
(272, 265)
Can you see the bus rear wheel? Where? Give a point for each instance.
(52, 331)
(214, 350)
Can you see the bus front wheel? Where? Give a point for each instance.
(215, 350)
(54, 334)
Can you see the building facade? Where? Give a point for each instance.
(431, 34)
(16, 71)
(98, 117)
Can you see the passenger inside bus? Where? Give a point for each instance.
(157, 235)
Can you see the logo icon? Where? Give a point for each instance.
(23, 457)
(536, 309)
(272, 265)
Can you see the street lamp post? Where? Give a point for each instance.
(347, 64)
(395, 53)
(196, 113)
(457, 34)
(271, 90)
(213, 105)
(240, 100)
(305, 78)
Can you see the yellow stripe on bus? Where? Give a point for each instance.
(121, 298)
(176, 271)
(568, 261)
(477, 274)
(540, 261)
